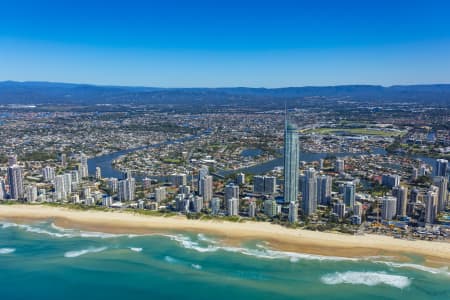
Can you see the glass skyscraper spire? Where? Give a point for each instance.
(291, 160)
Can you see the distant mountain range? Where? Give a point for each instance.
(12, 92)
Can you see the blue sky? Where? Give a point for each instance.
(226, 43)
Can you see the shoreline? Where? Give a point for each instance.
(278, 237)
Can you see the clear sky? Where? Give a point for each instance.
(226, 43)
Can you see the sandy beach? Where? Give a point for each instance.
(278, 237)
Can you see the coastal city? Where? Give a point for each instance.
(359, 168)
(217, 150)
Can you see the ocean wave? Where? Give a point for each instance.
(7, 250)
(196, 266)
(203, 238)
(187, 243)
(170, 259)
(71, 254)
(366, 278)
(135, 249)
(63, 232)
(34, 229)
(443, 270)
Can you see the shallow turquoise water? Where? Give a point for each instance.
(41, 261)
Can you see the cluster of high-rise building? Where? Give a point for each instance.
(425, 204)
(266, 185)
(304, 194)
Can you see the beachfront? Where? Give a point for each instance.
(278, 237)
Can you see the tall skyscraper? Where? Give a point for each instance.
(202, 172)
(232, 206)
(160, 194)
(197, 204)
(112, 184)
(324, 183)
(402, 200)
(60, 188)
(309, 192)
(231, 191)
(431, 205)
(339, 209)
(83, 167)
(98, 173)
(389, 208)
(127, 189)
(178, 179)
(270, 208)
(390, 180)
(15, 181)
(215, 205)
(240, 179)
(48, 173)
(349, 195)
(293, 212)
(442, 183)
(258, 184)
(31, 193)
(2, 190)
(440, 167)
(270, 185)
(207, 187)
(252, 209)
(291, 161)
(264, 185)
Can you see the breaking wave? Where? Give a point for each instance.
(170, 259)
(71, 254)
(60, 232)
(262, 252)
(366, 278)
(206, 244)
(135, 249)
(7, 250)
(431, 270)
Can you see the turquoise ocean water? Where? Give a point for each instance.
(43, 261)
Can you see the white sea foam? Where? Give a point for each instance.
(135, 249)
(7, 250)
(34, 229)
(203, 238)
(443, 271)
(262, 252)
(170, 259)
(366, 278)
(187, 243)
(197, 267)
(65, 233)
(72, 254)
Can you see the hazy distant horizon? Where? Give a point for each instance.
(221, 87)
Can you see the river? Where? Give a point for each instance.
(105, 161)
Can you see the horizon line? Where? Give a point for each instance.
(223, 87)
